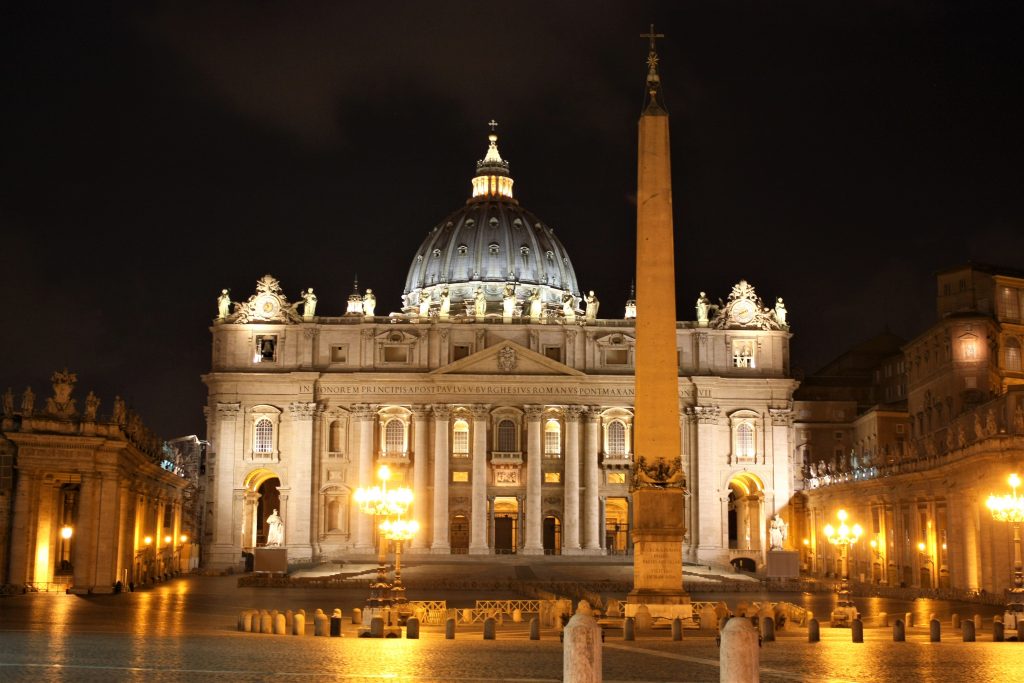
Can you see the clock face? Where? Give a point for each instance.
(743, 311)
(268, 306)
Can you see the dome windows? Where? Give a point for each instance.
(524, 250)
(493, 248)
(437, 253)
(493, 222)
(462, 249)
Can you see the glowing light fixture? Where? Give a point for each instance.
(1010, 508)
(66, 532)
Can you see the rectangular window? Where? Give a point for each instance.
(339, 353)
(552, 477)
(616, 478)
(396, 354)
(266, 349)
(460, 477)
(615, 356)
(553, 352)
(838, 435)
(460, 442)
(552, 446)
(459, 351)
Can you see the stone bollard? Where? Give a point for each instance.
(581, 647)
(931, 615)
(336, 624)
(977, 623)
(298, 624)
(321, 624)
(280, 624)
(357, 617)
(813, 631)
(288, 614)
(467, 616)
(449, 628)
(739, 654)
(908, 620)
(266, 622)
(1020, 631)
(245, 621)
(857, 631)
(642, 619)
(767, 625)
(489, 628)
(883, 619)
(968, 631)
(998, 635)
(955, 620)
(534, 629)
(628, 629)
(412, 628)
(243, 617)
(721, 622)
(377, 627)
(677, 629)
(899, 631)
(517, 616)
(934, 630)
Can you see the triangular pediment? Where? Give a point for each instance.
(507, 358)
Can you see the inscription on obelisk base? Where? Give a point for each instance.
(658, 554)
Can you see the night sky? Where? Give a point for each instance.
(837, 154)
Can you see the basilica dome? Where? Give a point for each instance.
(490, 244)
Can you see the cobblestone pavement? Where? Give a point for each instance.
(186, 630)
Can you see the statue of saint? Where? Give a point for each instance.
(777, 533)
(568, 308)
(275, 530)
(223, 304)
(308, 303)
(702, 308)
(92, 404)
(424, 306)
(508, 300)
(446, 303)
(479, 303)
(28, 402)
(780, 312)
(118, 414)
(9, 402)
(369, 303)
(592, 304)
(536, 305)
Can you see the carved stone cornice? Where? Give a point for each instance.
(573, 413)
(481, 411)
(362, 411)
(228, 411)
(533, 413)
(442, 411)
(302, 410)
(707, 414)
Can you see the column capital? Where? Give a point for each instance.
(442, 411)
(420, 411)
(573, 413)
(481, 411)
(591, 413)
(533, 413)
(228, 411)
(303, 410)
(362, 411)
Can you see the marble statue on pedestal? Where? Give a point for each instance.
(223, 304)
(309, 303)
(777, 533)
(275, 530)
(369, 303)
(592, 305)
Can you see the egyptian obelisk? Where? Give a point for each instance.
(657, 481)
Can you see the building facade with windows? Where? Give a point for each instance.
(498, 395)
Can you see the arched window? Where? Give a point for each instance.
(394, 436)
(552, 438)
(460, 437)
(507, 436)
(616, 438)
(335, 437)
(264, 441)
(1012, 355)
(745, 440)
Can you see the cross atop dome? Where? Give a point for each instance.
(492, 178)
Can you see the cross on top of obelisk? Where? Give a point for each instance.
(653, 36)
(493, 124)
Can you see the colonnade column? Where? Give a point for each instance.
(420, 471)
(225, 552)
(298, 516)
(534, 540)
(441, 544)
(591, 481)
(363, 415)
(970, 548)
(478, 518)
(710, 526)
(571, 510)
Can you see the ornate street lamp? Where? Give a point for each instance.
(1010, 508)
(398, 531)
(380, 501)
(843, 537)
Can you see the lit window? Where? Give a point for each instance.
(552, 478)
(460, 438)
(264, 437)
(745, 440)
(394, 436)
(506, 436)
(616, 438)
(552, 438)
(1012, 355)
(266, 349)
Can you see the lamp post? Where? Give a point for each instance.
(380, 501)
(843, 536)
(1010, 508)
(398, 531)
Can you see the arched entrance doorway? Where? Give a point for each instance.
(746, 512)
(261, 499)
(506, 525)
(459, 537)
(552, 535)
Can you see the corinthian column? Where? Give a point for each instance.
(420, 472)
(591, 481)
(571, 513)
(363, 416)
(534, 540)
(478, 530)
(226, 552)
(440, 544)
(298, 532)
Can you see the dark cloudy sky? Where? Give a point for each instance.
(835, 153)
